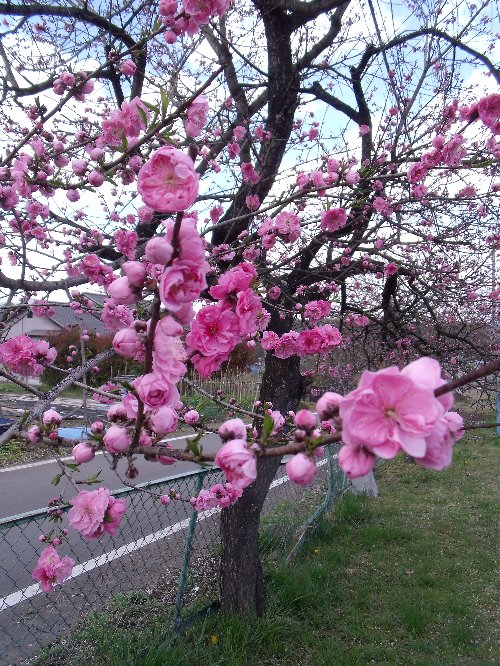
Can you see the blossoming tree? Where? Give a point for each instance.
(317, 177)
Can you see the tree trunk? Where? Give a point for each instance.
(243, 587)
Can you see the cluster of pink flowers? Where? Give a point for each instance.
(126, 122)
(189, 17)
(316, 310)
(286, 225)
(218, 495)
(66, 80)
(25, 356)
(95, 512)
(51, 569)
(318, 340)
(393, 411)
(217, 329)
(333, 219)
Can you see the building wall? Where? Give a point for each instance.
(35, 327)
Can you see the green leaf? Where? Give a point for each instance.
(267, 426)
(143, 115)
(73, 466)
(56, 479)
(93, 479)
(164, 101)
(193, 445)
(151, 107)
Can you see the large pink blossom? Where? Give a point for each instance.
(51, 569)
(389, 412)
(248, 308)
(234, 280)
(213, 331)
(155, 391)
(238, 463)
(95, 512)
(168, 181)
(182, 283)
(333, 219)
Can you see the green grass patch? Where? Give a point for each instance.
(409, 578)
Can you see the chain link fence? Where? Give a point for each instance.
(159, 552)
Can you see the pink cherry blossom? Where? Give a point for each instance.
(82, 453)
(182, 283)
(163, 420)
(95, 512)
(238, 463)
(51, 569)
(128, 344)
(168, 182)
(355, 460)
(213, 331)
(389, 412)
(196, 116)
(333, 219)
(192, 417)
(155, 391)
(489, 112)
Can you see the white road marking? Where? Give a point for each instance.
(51, 460)
(32, 590)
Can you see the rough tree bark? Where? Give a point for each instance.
(243, 588)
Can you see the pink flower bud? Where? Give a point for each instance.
(72, 195)
(233, 429)
(79, 167)
(163, 420)
(327, 405)
(97, 427)
(158, 250)
(121, 293)
(301, 469)
(83, 453)
(192, 417)
(128, 67)
(305, 419)
(96, 178)
(127, 343)
(116, 439)
(135, 272)
(117, 412)
(51, 416)
(34, 434)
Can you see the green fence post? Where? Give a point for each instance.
(321, 508)
(187, 554)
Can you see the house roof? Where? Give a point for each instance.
(65, 317)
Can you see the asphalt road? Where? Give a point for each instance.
(27, 487)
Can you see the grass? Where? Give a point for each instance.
(211, 411)
(408, 578)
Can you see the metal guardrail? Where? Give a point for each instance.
(156, 548)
